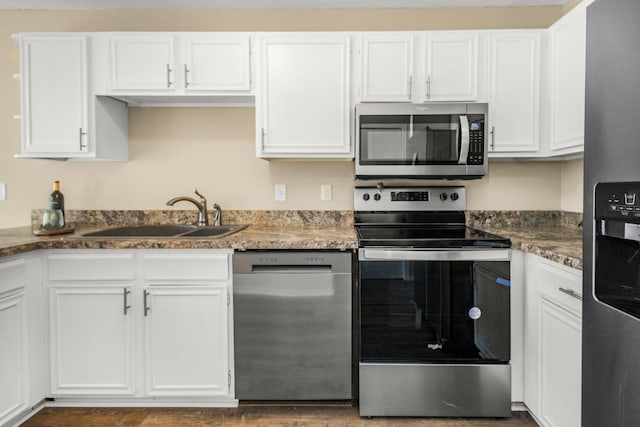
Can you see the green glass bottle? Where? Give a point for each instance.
(56, 198)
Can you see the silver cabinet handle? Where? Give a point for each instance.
(428, 87)
(126, 293)
(493, 138)
(169, 83)
(410, 87)
(82, 144)
(263, 134)
(186, 76)
(145, 294)
(570, 292)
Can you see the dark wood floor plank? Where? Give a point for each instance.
(258, 415)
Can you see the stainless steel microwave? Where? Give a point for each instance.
(421, 141)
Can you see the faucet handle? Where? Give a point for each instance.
(202, 199)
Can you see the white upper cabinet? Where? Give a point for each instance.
(216, 62)
(54, 95)
(451, 66)
(445, 66)
(514, 91)
(567, 39)
(179, 63)
(62, 118)
(142, 62)
(387, 67)
(303, 106)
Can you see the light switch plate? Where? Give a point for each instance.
(325, 192)
(281, 192)
(3, 191)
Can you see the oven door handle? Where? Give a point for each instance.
(434, 255)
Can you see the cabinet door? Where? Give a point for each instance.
(568, 53)
(451, 67)
(514, 91)
(91, 333)
(54, 95)
(219, 63)
(387, 67)
(560, 366)
(14, 374)
(142, 62)
(302, 106)
(186, 341)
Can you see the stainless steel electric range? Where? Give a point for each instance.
(434, 306)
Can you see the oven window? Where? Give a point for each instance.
(434, 311)
(409, 139)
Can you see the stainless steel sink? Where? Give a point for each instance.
(167, 230)
(214, 231)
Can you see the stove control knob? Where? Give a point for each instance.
(454, 196)
(377, 197)
(443, 196)
(365, 196)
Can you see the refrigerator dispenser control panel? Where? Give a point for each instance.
(618, 200)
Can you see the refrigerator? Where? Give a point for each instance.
(611, 273)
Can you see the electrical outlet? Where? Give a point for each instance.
(3, 191)
(281, 192)
(325, 192)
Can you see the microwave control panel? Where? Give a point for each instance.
(618, 200)
(476, 143)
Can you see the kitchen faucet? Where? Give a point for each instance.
(203, 218)
(217, 218)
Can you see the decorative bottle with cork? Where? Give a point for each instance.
(54, 216)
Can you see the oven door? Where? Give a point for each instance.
(434, 306)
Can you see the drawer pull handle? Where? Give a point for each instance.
(571, 293)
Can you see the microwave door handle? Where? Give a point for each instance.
(464, 140)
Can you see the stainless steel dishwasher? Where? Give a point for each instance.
(292, 320)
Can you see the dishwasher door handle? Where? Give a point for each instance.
(291, 269)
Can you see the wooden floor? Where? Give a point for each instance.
(292, 415)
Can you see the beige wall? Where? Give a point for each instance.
(572, 186)
(173, 150)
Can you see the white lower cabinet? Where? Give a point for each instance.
(186, 341)
(13, 356)
(560, 365)
(91, 338)
(20, 342)
(552, 348)
(140, 325)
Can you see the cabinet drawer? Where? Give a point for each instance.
(91, 266)
(13, 275)
(562, 285)
(211, 266)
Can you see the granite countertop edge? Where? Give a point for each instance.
(558, 244)
(21, 239)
